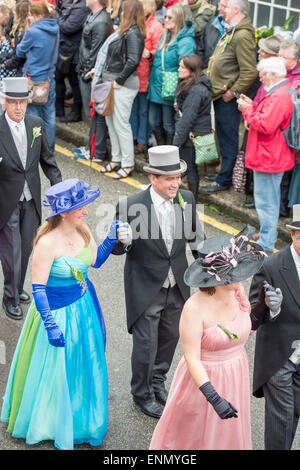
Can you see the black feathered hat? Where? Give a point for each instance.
(225, 260)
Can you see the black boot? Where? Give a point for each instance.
(60, 112)
(193, 187)
(71, 117)
(249, 202)
(159, 137)
(169, 139)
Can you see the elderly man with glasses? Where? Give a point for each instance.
(23, 145)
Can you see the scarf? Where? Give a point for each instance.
(101, 58)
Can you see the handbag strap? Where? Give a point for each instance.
(192, 137)
(163, 59)
(52, 57)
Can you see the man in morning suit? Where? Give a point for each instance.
(277, 350)
(161, 220)
(23, 145)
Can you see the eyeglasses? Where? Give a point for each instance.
(168, 17)
(20, 102)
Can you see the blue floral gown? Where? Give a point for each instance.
(54, 393)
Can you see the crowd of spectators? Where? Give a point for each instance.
(209, 47)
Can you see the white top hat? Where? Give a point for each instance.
(164, 160)
(15, 87)
(296, 218)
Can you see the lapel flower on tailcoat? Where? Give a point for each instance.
(182, 204)
(36, 132)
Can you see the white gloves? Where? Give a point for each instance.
(273, 298)
(125, 234)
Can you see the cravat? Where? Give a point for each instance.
(166, 216)
(21, 144)
(166, 223)
(18, 133)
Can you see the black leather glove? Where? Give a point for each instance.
(222, 407)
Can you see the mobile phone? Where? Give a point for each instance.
(237, 94)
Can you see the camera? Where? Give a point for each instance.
(237, 94)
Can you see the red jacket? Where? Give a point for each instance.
(170, 3)
(266, 149)
(154, 29)
(51, 2)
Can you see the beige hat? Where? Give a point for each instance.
(164, 160)
(296, 218)
(271, 44)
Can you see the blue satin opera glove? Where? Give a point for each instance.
(105, 249)
(55, 335)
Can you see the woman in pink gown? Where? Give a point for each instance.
(214, 328)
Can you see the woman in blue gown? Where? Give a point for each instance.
(57, 387)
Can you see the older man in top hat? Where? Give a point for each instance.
(162, 220)
(23, 145)
(277, 351)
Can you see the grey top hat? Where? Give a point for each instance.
(296, 218)
(15, 87)
(271, 44)
(164, 160)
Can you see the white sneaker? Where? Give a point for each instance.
(82, 153)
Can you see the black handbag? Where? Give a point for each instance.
(64, 62)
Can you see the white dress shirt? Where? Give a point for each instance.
(165, 213)
(18, 131)
(17, 128)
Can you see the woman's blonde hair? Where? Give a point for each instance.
(5, 9)
(21, 18)
(40, 9)
(132, 11)
(149, 6)
(178, 15)
(54, 222)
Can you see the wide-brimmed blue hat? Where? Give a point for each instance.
(69, 195)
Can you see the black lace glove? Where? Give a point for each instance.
(222, 407)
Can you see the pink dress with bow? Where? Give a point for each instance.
(189, 422)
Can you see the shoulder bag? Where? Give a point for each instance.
(39, 91)
(205, 148)
(103, 98)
